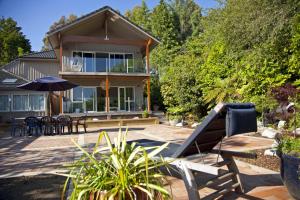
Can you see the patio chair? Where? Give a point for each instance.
(81, 121)
(225, 120)
(17, 125)
(32, 125)
(48, 125)
(62, 122)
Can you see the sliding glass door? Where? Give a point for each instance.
(126, 99)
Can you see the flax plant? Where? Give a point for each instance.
(117, 171)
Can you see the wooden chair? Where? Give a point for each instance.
(188, 161)
(81, 121)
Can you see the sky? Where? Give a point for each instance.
(36, 16)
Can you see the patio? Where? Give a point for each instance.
(30, 156)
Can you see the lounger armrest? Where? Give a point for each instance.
(235, 153)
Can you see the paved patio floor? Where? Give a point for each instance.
(26, 156)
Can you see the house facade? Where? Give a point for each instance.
(105, 54)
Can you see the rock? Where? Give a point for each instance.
(269, 133)
(195, 124)
(270, 152)
(297, 131)
(274, 145)
(281, 124)
(135, 118)
(180, 124)
(259, 124)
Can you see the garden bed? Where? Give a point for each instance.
(269, 162)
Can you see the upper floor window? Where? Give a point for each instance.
(102, 62)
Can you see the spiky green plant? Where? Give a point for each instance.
(118, 171)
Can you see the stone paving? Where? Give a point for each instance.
(24, 156)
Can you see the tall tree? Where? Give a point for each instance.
(62, 21)
(140, 15)
(13, 42)
(188, 15)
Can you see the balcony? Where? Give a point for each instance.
(104, 64)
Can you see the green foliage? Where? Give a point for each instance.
(238, 51)
(289, 145)
(145, 114)
(118, 171)
(13, 42)
(62, 21)
(140, 15)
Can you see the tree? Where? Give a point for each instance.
(163, 25)
(188, 16)
(13, 42)
(140, 15)
(62, 21)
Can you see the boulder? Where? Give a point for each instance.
(281, 124)
(269, 133)
(270, 152)
(180, 124)
(195, 124)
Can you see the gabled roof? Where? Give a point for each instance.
(50, 54)
(103, 9)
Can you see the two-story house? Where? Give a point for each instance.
(102, 52)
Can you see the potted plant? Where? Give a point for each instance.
(175, 115)
(118, 171)
(289, 152)
(145, 114)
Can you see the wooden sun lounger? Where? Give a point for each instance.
(224, 120)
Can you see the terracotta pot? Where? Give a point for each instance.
(140, 195)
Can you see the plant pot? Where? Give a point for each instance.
(290, 174)
(140, 195)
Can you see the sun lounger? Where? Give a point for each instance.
(225, 120)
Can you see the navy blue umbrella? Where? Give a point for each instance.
(48, 83)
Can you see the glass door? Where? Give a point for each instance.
(129, 100)
(122, 96)
(89, 99)
(126, 98)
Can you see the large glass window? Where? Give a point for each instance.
(113, 99)
(20, 102)
(88, 61)
(101, 62)
(84, 99)
(4, 103)
(101, 99)
(77, 94)
(36, 102)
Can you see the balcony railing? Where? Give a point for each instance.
(88, 64)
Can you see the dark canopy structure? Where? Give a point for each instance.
(48, 83)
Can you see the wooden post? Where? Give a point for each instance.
(61, 67)
(148, 71)
(148, 95)
(147, 55)
(107, 93)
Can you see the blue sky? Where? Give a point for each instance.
(36, 16)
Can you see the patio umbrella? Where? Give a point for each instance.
(48, 83)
